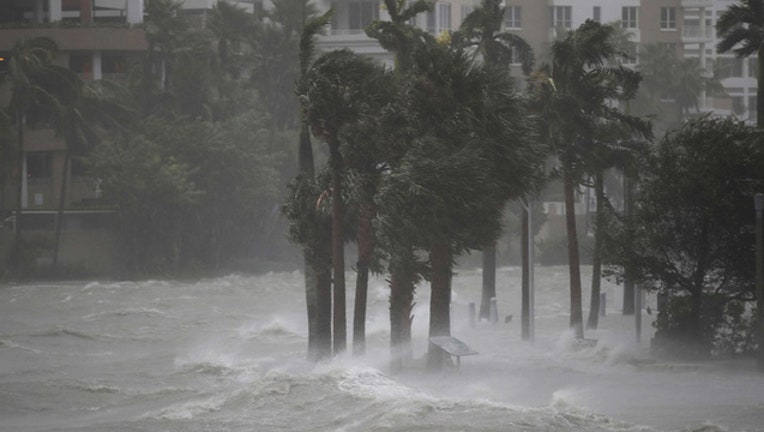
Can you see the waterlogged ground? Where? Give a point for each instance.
(227, 354)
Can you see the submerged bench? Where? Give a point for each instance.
(452, 346)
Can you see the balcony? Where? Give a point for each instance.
(88, 38)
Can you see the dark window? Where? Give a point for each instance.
(39, 166)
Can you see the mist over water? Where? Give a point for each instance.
(228, 354)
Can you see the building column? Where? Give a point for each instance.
(86, 11)
(54, 10)
(134, 11)
(97, 72)
(39, 11)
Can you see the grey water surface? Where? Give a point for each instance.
(228, 354)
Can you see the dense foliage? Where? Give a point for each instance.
(690, 232)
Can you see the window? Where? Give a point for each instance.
(629, 17)
(597, 14)
(560, 16)
(440, 18)
(466, 10)
(517, 59)
(39, 166)
(738, 105)
(632, 58)
(513, 17)
(668, 18)
(730, 67)
(361, 14)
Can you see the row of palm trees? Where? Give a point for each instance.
(423, 157)
(432, 151)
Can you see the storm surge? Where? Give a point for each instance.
(228, 354)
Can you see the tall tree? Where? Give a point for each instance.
(317, 274)
(573, 101)
(29, 68)
(741, 30)
(399, 37)
(341, 88)
(482, 31)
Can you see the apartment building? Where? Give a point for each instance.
(97, 39)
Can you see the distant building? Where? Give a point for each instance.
(98, 38)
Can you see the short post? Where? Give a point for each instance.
(603, 304)
(758, 202)
(494, 313)
(472, 314)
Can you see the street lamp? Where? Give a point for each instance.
(758, 204)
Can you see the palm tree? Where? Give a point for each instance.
(469, 154)
(396, 35)
(317, 275)
(574, 101)
(230, 25)
(340, 90)
(31, 62)
(482, 31)
(741, 29)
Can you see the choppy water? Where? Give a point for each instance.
(227, 354)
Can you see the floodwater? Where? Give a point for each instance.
(228, 354)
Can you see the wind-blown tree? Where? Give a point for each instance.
(30, 68)
(315, 253)
(612, 147)
(572, 102)
(399, 37)
(741, 30)
(694, 197)
(341, 88)
(468, 154)
(481, 31)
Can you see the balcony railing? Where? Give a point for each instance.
(697, 32)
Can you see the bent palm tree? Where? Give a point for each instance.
(482, 31)
(741, 30)
(574, 101)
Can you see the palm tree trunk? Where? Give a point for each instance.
(440, 301)
(323, 289)
(61, 205)
(338, 251)
(594, 304)
(365, 250)
(760, 90)
(489, 280)
(576, 314)
(307, 170)
(526, 280)
(401, 305)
